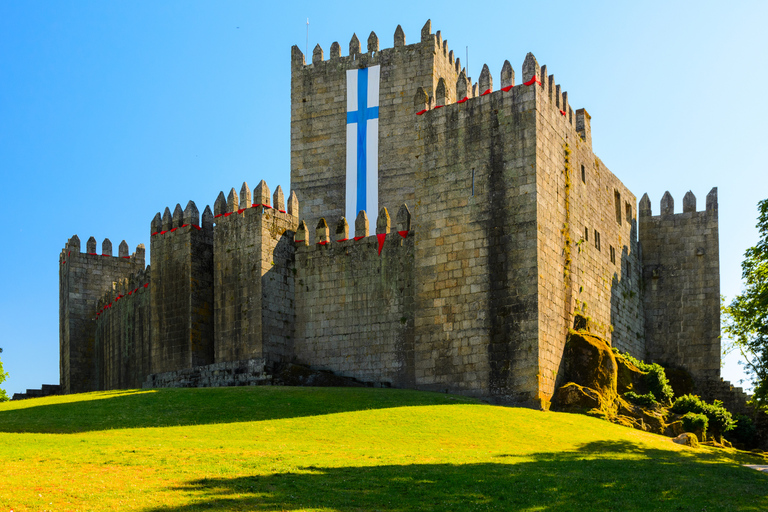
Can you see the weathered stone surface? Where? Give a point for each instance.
(291, 374)
(629, 377)
(680, 380)
(590, 362)
(573, 397)
(652, 420)
(687, 439)
(681, 284)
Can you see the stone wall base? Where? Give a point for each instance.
(249, 372)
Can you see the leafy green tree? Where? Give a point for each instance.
(3, 376)
(746, 318)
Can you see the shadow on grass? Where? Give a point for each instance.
(598, 476)
(199, 406)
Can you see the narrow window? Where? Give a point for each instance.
(583, 175)
(586, 234)
(473, 183)
(629, 270)
(613, 255)
(628, 208)
(597, 240)
(617, 197)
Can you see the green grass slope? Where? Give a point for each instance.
(346, 449)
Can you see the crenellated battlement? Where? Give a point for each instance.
(72, 250)
(257, 203)
(184, 220)
(535, 79)
(342, 235)
(373, 54)
(667, 204)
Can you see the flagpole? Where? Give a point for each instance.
(306, 49)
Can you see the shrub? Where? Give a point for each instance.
(646, 400)
(656, 379)
(720, 420)
(693, 422)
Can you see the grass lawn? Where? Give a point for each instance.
(346, 449)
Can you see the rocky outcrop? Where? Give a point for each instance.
(629, 377)
(589, 363)
(595, 380)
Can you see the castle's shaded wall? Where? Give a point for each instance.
(253, 284)
(575, 210)
(123, 334)
(318, 123)
(681, 275)
(475, 218)
(182, 296)
(83, 279)
(354, 308)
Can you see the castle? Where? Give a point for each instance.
(439, 234)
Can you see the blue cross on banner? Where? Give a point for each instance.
(362, 142)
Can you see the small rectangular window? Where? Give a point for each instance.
(629, 270)
(473, 183)
(613, 255)
(628, 208)
(617, 197)
(597, 240)
(583, 175)
(586, 234)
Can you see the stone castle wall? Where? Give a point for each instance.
(253, 275)
(354, 307)
(588, 253)
(476, 296)
(123, 334)
(83, 279)
(681, 277)
(182, 289)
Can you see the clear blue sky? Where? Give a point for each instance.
(110, 111)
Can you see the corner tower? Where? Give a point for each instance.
(681, 276)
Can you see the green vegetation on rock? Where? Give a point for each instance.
(719, 419)
(655, 380)
(694, 422)
(646, 400)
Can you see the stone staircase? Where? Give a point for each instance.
(45, 390)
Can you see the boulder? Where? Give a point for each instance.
(589, 362)
(629, 377)
(575, 398)
(687, 439)
(650, 419)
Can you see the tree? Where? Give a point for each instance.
(3, 376)
(746, 318)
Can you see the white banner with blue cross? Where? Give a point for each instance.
(362, 143)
